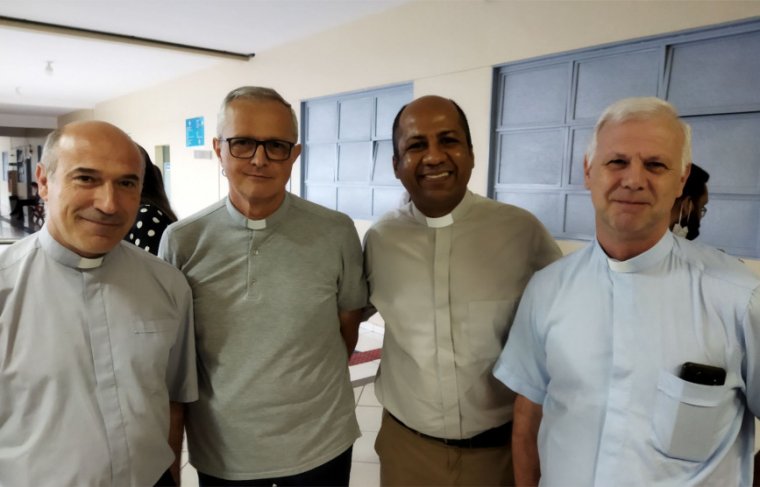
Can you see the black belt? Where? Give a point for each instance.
(495, 437)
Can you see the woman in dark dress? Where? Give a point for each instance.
(155, 213)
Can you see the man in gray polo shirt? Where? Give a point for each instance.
(278, 289)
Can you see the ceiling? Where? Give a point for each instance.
(86, 70)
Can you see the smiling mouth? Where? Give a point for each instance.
(436, 176)
(103, 223)
(631, 203)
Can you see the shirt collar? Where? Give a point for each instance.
(64, 256)
(642, 261)
(445, 220)
(268, 222)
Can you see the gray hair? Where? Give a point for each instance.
(254, 93)
(642, 108)
(49, 159)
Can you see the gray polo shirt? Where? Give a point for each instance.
(91, 352)
(275, 395)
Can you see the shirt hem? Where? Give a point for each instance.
(278, 473)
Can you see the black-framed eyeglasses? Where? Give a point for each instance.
(245, 148)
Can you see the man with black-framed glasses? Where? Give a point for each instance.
(278, 289)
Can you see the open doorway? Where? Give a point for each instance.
(162, 156)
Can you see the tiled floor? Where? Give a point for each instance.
(365, 469)
(370, 338)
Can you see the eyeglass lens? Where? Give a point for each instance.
(245, 148)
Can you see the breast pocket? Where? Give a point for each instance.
(487, 326)
(690, 420)
(155, 326)
(146, 359)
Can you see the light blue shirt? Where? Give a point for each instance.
(91, 352)
(599, 344)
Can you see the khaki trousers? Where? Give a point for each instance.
(409, 460)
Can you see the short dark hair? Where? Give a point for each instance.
(696, 183)
(153, 187)
(462, 121)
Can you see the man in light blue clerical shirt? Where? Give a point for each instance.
(96, 335)
(635, 359)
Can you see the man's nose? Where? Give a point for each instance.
(435, 154)
(105, 199)
(634, 175)
(259, 157)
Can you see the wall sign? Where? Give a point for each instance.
(194, 132)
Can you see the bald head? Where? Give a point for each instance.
(81, 134)
(429, 101)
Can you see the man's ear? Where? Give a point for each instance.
(42, 181)
(295, 152)
(586, 172)
(395, 166)
(217, 147)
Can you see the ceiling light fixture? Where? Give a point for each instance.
(49, 68)
(112, 36)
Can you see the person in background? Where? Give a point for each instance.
(691, 206)
(637, 359)
(96, 336)
(155, 213)
(279, 287)
(446, 271)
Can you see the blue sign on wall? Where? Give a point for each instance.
(194, 133)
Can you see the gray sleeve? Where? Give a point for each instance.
(352, 284)
(181, 374)
(369, 309)
(166, 250)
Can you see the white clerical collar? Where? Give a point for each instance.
(85, 263)
(256, 224)
(445, 220)
(270, 221)
(63, 255)
(643, 260)
(439, 222)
